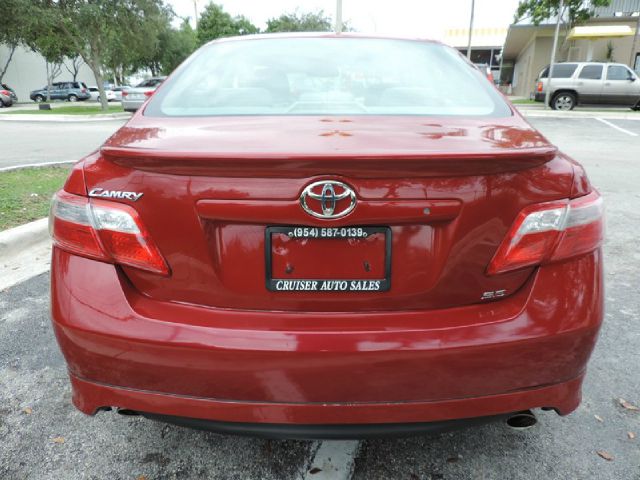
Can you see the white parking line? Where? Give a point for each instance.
(334, 460)
(620, 129)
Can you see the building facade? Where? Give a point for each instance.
(486, 45)
(607, 37)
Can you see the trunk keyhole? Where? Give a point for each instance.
(288, 268)
(367, 267)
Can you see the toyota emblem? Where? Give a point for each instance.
(328, 199)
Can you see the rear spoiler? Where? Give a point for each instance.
(388, 165)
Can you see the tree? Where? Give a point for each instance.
(43, 35)
(12, 29)
(301, 22)
(577, 11)
(88, 27)
(215, 23)
(76, 63)
(176, 45)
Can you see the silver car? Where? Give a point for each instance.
(579, 83)
(133, 98)
(117, 91)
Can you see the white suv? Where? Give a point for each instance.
(576, 83)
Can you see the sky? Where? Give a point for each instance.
(419, 18)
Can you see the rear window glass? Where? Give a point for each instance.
(617, 72)
(591, 72)
(150, 83)
(561, 70)
(320, 76)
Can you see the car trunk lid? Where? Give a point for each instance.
(222, 197)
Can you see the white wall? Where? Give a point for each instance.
(27, 71)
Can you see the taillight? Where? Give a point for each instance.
(125, 93)
(5, 92)
(103, 230)
(550, 232)
(148, 93)
(539, 87)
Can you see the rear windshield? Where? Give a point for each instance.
(560, 70)
(149, 83)
(320, 76)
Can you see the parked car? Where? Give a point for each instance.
(582, 83)
(11, 91)
(133, 98)
(6, 100)
(400, 254)
(70, 91)
(119, 90)
(95, 94)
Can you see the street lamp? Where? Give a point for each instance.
(473, 7)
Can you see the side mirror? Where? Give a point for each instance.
(632, 78)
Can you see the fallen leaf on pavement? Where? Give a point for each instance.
(631, 435)
(27, 410)
(606, 455)
(141, 477)
(58, 440)
(627, 405)
(599, 418)
(315, 470)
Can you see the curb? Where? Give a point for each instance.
(37, 165)
(64, 118)
(17, 239)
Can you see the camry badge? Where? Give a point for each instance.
(100, 192)
(328, 199)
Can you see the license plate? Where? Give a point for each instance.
(135, 96)
(328, 259)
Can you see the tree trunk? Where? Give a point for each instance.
(49, 81)
(12, 49)
(95, 68)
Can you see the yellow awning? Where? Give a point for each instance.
(600, 31)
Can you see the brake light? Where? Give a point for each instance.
(103, 230)
(550, 232)
(148, 93)
(539, 87)
(5, 92)
(125, 93)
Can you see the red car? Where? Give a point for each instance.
(327, 236)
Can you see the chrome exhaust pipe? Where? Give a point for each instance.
(522, 420)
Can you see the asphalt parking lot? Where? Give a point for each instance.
(34, 142)
(43, 437)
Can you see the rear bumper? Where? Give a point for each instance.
(131, 105)
(323, 420)
(529, 350)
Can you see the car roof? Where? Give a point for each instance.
(265, 36)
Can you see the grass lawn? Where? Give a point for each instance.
(25, 193)
(524, 101)
(66, 110)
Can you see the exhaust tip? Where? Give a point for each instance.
(522, 420)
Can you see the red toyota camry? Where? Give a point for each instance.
(327, 236)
